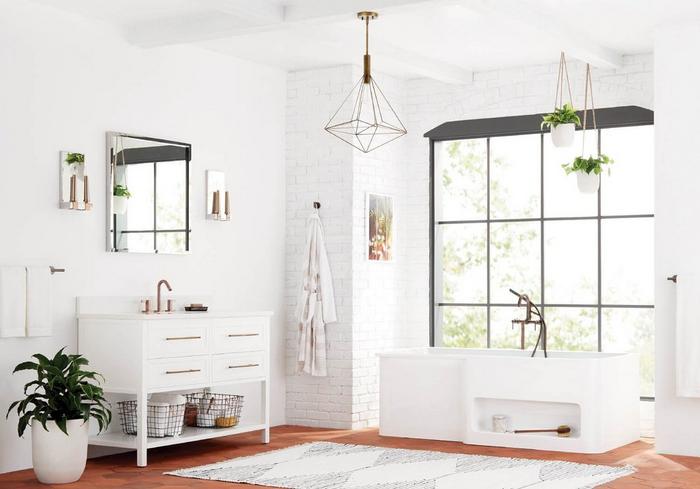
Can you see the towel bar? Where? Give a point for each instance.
(56, 270)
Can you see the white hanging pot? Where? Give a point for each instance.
(57, 458)
(588, 183)
(119, 204)
(563, 135)
(77, 169)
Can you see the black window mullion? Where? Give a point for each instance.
(542, 270)
(488, 242)
(600, 260)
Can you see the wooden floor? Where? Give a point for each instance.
(120, 470)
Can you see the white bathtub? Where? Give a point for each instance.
(452, 394)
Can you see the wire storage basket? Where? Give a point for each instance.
(209, 410)
(162, 419)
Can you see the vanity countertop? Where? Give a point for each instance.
(139, 316)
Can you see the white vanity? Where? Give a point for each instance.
(140, 354)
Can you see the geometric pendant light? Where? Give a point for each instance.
(366, 119)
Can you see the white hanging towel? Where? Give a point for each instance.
(38, 301)
(13, 301)
(687, 336)
(316, 303)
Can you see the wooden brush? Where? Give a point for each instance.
(563, 431)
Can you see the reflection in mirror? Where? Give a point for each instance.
(149, 198)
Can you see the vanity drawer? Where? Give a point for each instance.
(239, 366)
(178, 372)
(177, 339)
(234, 335)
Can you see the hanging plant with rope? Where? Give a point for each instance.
(563, 121)
(588, 169)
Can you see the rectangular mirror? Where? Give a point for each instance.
(148, 195)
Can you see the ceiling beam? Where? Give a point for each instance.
(224, 18)
(563, 36)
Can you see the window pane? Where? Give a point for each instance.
(139, 179)
(628, 261)
(572, 328)
(561, 195)
(171, 242)
(463, 267)
(629, 189)
(515, 176)
(463, 327)
(460, 183)
(626, 330)
(571, 262)
(515, 260)
(135, 242)
(170, 195)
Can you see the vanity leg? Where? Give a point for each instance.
(141, 428)
(265, 405)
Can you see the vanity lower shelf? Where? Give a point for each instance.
(189, 434)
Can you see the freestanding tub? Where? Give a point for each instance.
(453, 393)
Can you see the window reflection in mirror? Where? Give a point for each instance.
(148, 190)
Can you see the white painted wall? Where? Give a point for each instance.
(65, 81)
(676, 80)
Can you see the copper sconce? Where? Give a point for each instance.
(366, 120)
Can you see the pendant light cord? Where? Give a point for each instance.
(367, 35)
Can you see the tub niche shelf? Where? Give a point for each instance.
(527, 415)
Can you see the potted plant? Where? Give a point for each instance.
(120, 199)
(76, 162)
(588, 171)
(562, 123)
(58, 405)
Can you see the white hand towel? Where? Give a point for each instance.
(687, 336)
(13, 301)
(38, 301)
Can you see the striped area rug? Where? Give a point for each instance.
(325, 465)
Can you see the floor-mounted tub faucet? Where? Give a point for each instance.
(531, 310)
(162, 282)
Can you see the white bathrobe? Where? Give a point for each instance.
(316, 304)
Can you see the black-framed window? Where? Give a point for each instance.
(504, 215)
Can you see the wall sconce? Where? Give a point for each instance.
(218, 203)
(74, 186)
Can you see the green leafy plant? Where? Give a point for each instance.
(62, 391)
(121, 191)
(565, 114)
(72, 158)
(588, 165)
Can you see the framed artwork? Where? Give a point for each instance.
(380, 227)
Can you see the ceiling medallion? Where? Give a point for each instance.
(366, 120)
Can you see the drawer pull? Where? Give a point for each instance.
(245, 366)
(187, 371)
(236, 335)
(171, 338)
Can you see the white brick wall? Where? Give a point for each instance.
(386, 305)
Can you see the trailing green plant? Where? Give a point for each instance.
(565, 114)
(588, 165)
(121, 191)
(62, 391)
(75, 158)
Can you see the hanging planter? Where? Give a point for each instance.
(588, 170)
(120, 199)
(563, 121)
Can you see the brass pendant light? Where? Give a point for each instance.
(366, 120)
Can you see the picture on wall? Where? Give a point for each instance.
(380, 226)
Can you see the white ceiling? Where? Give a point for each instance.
(442, 39)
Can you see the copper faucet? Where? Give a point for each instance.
(531, 310)
(162, 282)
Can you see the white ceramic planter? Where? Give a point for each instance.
(77, 169)
(119, 204)
(57, 458)
(588, 183)
(563, 135)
